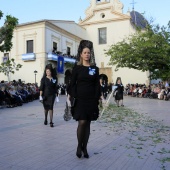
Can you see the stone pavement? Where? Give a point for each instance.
(27, 144)
(158, 109)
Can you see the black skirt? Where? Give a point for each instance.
(48, 102)
(119, 96)
(85, 109)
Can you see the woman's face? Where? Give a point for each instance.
(85, 55)
(119, 82)
(100, 81)
(48, 72)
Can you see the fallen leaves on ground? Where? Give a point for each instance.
(145, 136)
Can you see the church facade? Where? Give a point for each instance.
(105, 24)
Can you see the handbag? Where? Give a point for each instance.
(67, 115)
(73, 101)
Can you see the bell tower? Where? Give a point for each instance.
(116, 6)
(100, 1)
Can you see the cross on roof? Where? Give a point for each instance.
(133, 4)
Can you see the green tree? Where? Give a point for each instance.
(6, 35)
(6, 32)
(9, 67)
(146, 50)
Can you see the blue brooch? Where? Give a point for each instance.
(54, 80)
(92, 71)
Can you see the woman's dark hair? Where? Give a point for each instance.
(85, 44)
(52, 70)
(118, 78)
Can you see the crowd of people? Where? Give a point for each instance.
(16, 93)
(62, 89)
(54, 51)
(160, 90)
(153, 91)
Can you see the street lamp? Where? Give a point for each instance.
(35, 72)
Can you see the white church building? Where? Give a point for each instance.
(105, 24)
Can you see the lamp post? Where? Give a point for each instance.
(35, 72)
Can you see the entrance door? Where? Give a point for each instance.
(67, 76)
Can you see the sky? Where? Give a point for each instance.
(72, 10)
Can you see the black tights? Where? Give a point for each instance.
(83, 132)
(46, 115)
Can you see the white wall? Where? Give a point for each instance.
(43, 37)
(118, 27)
(62, 41)
(33, 32)
(72, 27)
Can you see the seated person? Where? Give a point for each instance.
(22, 94)
(167, 93)
(161, 93)
(9, 100)
(1, 96)
(27, 94)
(148, 92)
(130, 90)
(135, 91)
(155, 92)
(139, 93)
(143, 91)
(14, 94)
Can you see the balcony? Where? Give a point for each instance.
(54, 57)
(28, 57)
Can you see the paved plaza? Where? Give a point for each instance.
(27, 144)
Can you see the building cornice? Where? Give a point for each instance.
(122, 16)
(105, 21)
(47, 23)
(53, 26)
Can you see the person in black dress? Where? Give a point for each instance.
(85, 88)
(119, 92)
(48, 92)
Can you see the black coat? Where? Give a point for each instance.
(85, 87)
(119, 93)
(48, 87)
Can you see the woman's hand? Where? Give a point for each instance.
(40, 99)
(68, 97)
(56, 99)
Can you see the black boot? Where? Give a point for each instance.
(78, 153)
(84, 150)
(45, 122)
(51, 124)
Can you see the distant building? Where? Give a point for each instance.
(35, 43)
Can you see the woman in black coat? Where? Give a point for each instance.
(85, 88)
(119, 92)
(48, 92)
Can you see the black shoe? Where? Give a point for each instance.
(78, 153)
(51, 124)
(45, 122)
(86, 155)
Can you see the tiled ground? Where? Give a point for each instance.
(27, 144)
